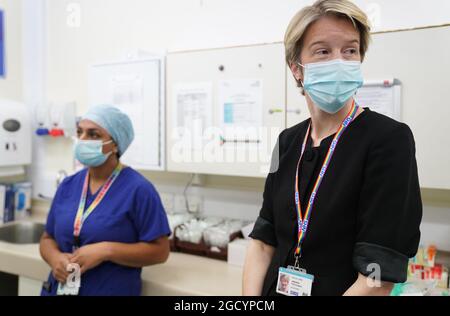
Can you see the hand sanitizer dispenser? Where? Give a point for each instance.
(15, 137)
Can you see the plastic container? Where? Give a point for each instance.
(207, 237)
(22, 200)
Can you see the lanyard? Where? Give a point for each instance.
(81, 214)
(303, 221)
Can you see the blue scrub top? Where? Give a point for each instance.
(130, 212)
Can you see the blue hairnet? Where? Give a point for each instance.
(115, 122)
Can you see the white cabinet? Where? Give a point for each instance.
(29, 287)
(296, 107)
(420, 60)
(226, 108)
(205, 82)
(136, 87)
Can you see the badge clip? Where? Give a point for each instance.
(296, 264)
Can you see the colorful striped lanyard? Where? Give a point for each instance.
(304, 221)
(83, 215)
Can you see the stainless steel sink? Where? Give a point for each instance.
(21, 232)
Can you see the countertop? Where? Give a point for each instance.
(182, 274)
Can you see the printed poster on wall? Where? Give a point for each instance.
(240, 109)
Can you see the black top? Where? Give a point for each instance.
(368, 208)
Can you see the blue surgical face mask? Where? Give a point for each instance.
(90, 152)
(331, 84)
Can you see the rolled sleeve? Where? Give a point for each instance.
(392, 263)
(264, 231)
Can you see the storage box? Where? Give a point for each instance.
(202, 249)
(237, 251)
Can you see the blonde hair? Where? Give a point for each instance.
(299, 24)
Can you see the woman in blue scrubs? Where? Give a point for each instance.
(107, 219)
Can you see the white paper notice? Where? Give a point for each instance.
(240, 105)
(135, 88)
(382, 99)
(127, 93)
(193, 108)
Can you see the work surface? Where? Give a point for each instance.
(182, 274)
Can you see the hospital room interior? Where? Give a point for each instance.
(195, 108)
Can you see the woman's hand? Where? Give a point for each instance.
(59, 265)
(365, 286)
(90, 256)
(136, 255)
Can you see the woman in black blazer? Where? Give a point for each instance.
(354, 172)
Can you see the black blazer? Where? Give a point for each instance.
(367, 210)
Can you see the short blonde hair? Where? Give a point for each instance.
(299, 24)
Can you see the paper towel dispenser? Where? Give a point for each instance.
(11, 125)
(15, 137)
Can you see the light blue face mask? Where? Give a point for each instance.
(331, 84)
(90, 152)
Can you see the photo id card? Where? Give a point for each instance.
(294, 282)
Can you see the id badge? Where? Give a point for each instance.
(294, 282)
(72, 286)
(68, 289)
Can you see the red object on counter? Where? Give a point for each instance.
(56, 132)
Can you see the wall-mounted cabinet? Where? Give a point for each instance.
(226, 108)
(296, 107)
(420, 60)
(252, 87)
(136, 87)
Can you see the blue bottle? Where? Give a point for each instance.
(9, 204)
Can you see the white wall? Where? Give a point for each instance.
(83, 32)
(435, 226)
(87, 31)
(109, 28)
(11, 85)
